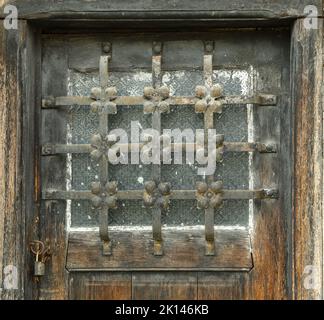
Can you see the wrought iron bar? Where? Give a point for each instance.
(68, 101)
(156, 168)
(261, 194)
(52, 149)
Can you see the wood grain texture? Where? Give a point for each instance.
(269, 233)
(270, 236)
(164, 286)
(100, 286)
(30, 151)
(53, 213)
(183, 250)
(12, 232)
(33, 9)
(220, 286)
(308, 211)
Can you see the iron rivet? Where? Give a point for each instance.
(106, 47)
(157, 47)
(209, 46)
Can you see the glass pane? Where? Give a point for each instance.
(233, 170)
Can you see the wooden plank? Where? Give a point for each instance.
(12, 231)
(100, 286)
(31, 193)
(164, 286)
(53, 129)
(269, 233)
(220, 286)
(183, 250)
(83, 9)
(308, 138)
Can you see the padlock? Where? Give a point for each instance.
(41, 253)
(39, 268)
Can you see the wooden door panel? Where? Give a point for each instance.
(53, 173)
(156, 286)
(164, 286)
(183, 251)
(250, 257)
(100, 286)
(221, 285)
(38, 61)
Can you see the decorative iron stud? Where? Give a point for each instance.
(156, 99)
(209, 196)
(104, 196)
(104, 100)
(209, 99)
(157, 195)
(100, 146)
(106, 47)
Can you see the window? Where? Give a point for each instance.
(148, 210)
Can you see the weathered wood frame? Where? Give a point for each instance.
(19, 161)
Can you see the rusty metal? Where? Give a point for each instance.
(99, 147)
(103, 192)
(157, 47)
(156, 99)
(156, 194)
(208, 105)
(49, 102)
(176, 101)
(209, 196)
(104, 100)
(106, 47)
(157, 198)
(208, 99)
(209, 46)
(51, 149)
(262, 194)
(160, 104)
(104, 195)
(42, 254)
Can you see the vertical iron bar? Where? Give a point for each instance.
(156, 168)
(103, 164)
(209, 124)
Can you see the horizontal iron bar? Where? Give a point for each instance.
(51, 149)
(250, 147)
(175, 194)
(261, 99)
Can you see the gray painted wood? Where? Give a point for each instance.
(159, 9)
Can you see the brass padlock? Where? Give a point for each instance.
(39, 268)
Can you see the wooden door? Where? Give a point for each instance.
(161, 231)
